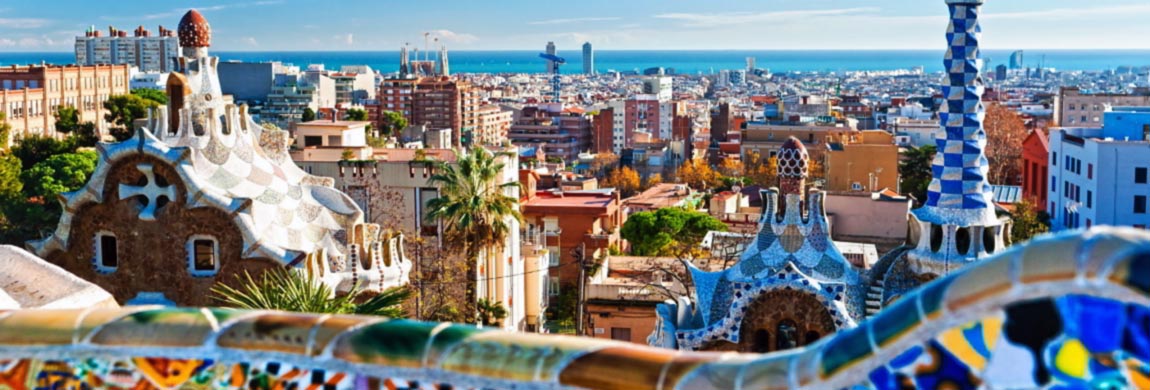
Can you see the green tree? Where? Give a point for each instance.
(79, 133)
(474, 208)
(916, 172)
(5, 132)
(123, 110)
(391, 123)
(308, 115)
(288, 290)
(656, 233)
(59, 174)
(1028, 222)
(35, 211)
(34, 149)
(154, 95)
(67, 119)
(355, 114)
(11, 187)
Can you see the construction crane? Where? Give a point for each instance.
(556, 82)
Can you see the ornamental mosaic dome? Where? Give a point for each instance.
(194, 30)
(792, 159)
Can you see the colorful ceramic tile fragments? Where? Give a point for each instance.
(1062, 312)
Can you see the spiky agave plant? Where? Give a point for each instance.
(287, 290)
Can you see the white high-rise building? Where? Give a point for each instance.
(1101, 176)
(660, 86)
(140, 49)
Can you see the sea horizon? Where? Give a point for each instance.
(681, 61)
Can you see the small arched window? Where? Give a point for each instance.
(107, 258)
(787, 336)
(203, 256)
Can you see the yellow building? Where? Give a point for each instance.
(861, 161)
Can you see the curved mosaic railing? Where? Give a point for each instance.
(1068, 311)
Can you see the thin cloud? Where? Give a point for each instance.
(180, 11)
(574, 20)
(453, 37)
(731, 18)
(1073, 13)
(23, 23)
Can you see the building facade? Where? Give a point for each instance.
(560, 133)
(569, 222)
(31, 94)
(446, 103)
(1035, 168)
(1072, 108)
(864, 161)
(766, 138)
(1099, 176)
(146, 52)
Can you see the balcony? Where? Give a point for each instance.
(624, 292)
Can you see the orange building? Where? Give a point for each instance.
(861, 161)
(31, 94)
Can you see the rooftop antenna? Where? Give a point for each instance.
(426, 47)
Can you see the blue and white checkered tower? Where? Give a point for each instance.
(958, 223)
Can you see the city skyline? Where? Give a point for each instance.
(640, 24)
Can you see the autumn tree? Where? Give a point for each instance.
(603, 164)
(761, 171)
(731, 168)
(625, 180)
(1029, 222)
(699, 175)
(653, 180)
(1005, 132)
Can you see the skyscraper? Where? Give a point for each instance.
(552, 67)
(1016, 60)
(588, 59)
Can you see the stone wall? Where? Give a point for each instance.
(809, 319)
(152, 254)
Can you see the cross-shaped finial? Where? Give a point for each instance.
(150, 191)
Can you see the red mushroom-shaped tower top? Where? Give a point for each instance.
(792, 160)
(194, 30)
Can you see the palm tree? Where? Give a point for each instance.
(475, 209)
(287, 290)
(491, 313)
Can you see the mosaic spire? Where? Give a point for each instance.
(959, 193)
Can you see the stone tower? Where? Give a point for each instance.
(958, 224)
(792, 170)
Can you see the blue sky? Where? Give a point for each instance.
(39, 25)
